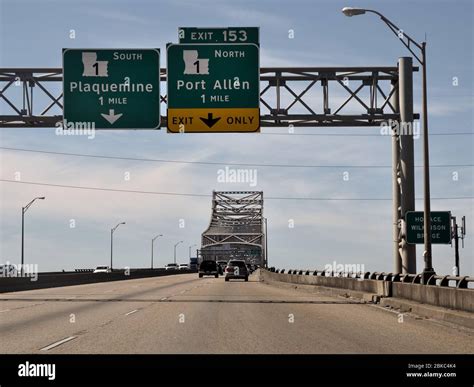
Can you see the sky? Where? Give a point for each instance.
(33, 34)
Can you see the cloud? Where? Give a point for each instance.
(445, 106)
(117, 16)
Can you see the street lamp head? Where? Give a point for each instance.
(42, 197)
(349, 11)
(123, 223)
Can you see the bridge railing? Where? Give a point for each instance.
(461, 282)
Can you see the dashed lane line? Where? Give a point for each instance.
(58, 343)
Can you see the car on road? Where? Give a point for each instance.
(236, 269)
(171, 266)
(183, 266)
(208, 268)
(102, 269)
(221, 266)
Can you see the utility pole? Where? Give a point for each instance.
(456, 237)
(407, 165)
(396, 209)
(456, 247)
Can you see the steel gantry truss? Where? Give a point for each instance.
(298, 96)
(236, 228)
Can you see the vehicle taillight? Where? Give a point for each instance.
(229, 269)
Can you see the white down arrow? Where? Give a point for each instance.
(111, 117)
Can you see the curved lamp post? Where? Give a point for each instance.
(190, 247)
(23, 210)
(175, 250)
(153, 240)
(411, 44)
(112, 244)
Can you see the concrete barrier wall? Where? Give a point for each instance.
(452, 298)
(52, 280)
(446, 297)
(381, 288)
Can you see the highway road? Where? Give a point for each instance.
(185, 314)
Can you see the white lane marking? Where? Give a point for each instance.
(57, 343)
(164, 298)
(133, 311)
(184, 291)
(6, 310)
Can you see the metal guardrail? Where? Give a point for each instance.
(460, 282)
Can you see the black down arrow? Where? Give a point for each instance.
(210, 121)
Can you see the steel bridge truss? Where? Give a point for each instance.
(295, 96)
(236, 227)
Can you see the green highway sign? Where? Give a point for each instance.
(213, 88)
(111, 88)
(440, 227)
(219, 35)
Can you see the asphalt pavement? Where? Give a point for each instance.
(185, 314)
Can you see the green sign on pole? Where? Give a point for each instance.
(111, 88)
(219, 35)
(213, 88)
(440, 227)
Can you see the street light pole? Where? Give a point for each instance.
(175, 250)
(266, 244)
(23, 210)
(153, 240)
(190, 247)
(112, 244)
(428, 270)
(22, 239)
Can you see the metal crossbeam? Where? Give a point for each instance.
(290, 96)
